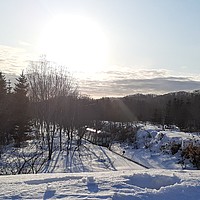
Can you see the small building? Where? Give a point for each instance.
(98, 137)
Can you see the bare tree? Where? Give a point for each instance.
(50, 89)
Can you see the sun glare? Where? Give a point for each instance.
(76, 42)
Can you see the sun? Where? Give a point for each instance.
(75, 41)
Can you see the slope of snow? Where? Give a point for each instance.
(89, 158)
(153, 147)
(124, 184)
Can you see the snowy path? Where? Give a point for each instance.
(89, 158)
(119, 162)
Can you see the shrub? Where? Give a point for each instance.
(192, 153)
(175, 147)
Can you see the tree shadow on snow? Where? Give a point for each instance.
(49, 194)
(92, 187)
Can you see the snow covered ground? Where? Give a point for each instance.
(89, 158)
(94, 172)
(116, 185)
(154, 147)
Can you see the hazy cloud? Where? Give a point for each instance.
(24, 43)
(13, 60)
(128, 73)
(121, 84)
(159, 84)
(116, 81)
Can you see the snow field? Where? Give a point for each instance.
(125, 184)
(89, 158)
(94, 172)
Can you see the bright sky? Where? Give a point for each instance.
(114, 47)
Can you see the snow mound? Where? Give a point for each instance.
(91, 184)
(153, 182)
(88, 180)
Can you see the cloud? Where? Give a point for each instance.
(141, 81)
(112, 82)
(12, 59)
(23, 43)
(164, 84)
(128, 72)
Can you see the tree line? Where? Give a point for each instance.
(14, 112)
(179, 108)
(45, 101)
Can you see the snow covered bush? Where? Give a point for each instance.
(175, 147)
(28, 159)
(192, 153)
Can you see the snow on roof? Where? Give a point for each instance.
(93, 130)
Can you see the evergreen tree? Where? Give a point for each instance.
(169, 118)
(2, 107)
(22, 117)
(2, 86)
